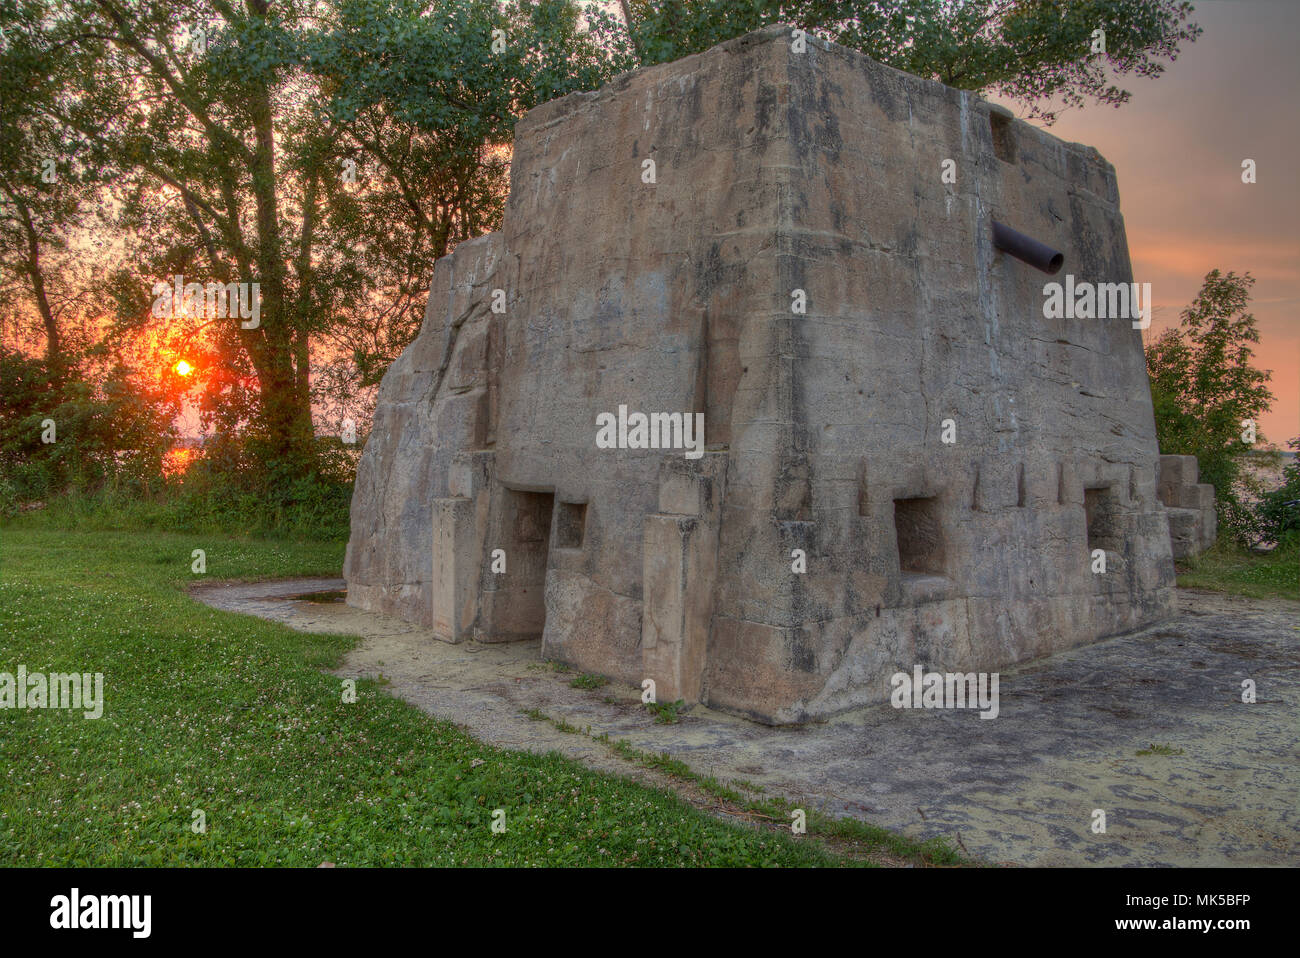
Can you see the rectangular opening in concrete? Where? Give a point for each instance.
(570, 524)
(1099, 510)
(1004, 137)
(919, 534)
(522, 614)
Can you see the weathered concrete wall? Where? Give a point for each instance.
(774, 171)
(914, 318)
(1189, 504)
(431, 405)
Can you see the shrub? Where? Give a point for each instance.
(1277, 513)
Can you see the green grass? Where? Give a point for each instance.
(232, 715)
(1227, 568)
(665, 713)
(318, 510)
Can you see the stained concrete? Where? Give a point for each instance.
(799, 273)
(1019, 789)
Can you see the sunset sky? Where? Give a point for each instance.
(1177, 147)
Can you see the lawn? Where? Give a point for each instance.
(233, 717)
(1227, 568)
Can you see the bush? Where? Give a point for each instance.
(109, 429)
(225, 490)
(1239, 523)
(1277, 514)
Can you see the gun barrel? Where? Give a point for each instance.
(1027, 249)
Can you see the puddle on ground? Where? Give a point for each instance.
(337, 596)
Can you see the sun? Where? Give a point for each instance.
(183, 368)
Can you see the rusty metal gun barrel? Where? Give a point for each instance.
(1027, 249)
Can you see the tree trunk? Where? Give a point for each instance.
(285, 403)
(36, 276)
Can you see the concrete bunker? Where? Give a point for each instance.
(826, 535)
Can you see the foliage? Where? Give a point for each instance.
(258, 501)
(110, 428)
(424, 109)
(50, 191)
(224, 134)
(1278, 511)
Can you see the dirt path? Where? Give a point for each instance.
(1221, 788)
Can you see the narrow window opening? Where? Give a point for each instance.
(919, 534)
(1004, 137)
(1099, 510)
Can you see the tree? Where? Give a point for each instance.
(1204, 388)
(183, 104)
(49, 191)
(81, 415)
